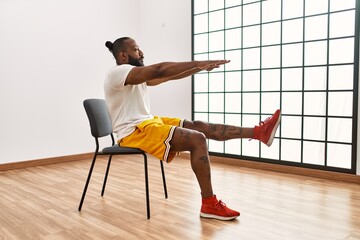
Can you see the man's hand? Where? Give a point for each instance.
(211, 64)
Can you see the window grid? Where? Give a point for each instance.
(260, 69)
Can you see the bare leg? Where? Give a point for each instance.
(220, 132)
(195, 142)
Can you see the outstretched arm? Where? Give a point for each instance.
(162, 72)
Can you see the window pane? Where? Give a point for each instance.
(235, 58)
(204, 56)
(251, 58)
(200, 43)
(314, 153)
(251, 81)
(233, 119)
(271, 10)
(291, 127)
(292, 8)
(232, 81)
(270, 152)
(201, 23)
(290, 150)
(233, 38)
(292, 31)
(215, 4)
(292, 55)
(339, 155)
(336, 5)
(315, 78)
(250, 148)
(216, 41)
(316, 27)
(216, 82)
(316, 53)
(233, 102)
(216, 20)
(201, 117)
(270, 57)
(251, 14)
(270, 80)
(200, 83)
(291, 103)
(201, 102)
(314, 128)
(230, 3)
(233, 17)
(340, 103)
(251, 102)
(216, 102)
(315, 103)
(200, 6)
(251, 36)
(271, 33)
(340, 130)
(342, 50)
(342, 24)
(316, 6)
(270, 102)
(341, 77)
(233, 147)
(216, 118)
(292, 79)
(216, 146)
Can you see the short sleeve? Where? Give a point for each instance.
(118, 74)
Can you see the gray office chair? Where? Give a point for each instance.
(101, 126)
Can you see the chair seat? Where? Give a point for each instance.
(126, 150)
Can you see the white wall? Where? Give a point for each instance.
(53, 56)
(165, 35)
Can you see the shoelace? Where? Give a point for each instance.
(220, 204)
(265, 121)
(262, 123)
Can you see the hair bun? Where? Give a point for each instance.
(109, 45)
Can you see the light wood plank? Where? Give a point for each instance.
(41, 203)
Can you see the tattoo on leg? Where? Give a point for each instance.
(183, 133)
(222, 132)
(204, 159)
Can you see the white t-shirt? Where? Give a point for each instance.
(127, 105)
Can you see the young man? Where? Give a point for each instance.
(129, 108)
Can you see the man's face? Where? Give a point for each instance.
(135, 55)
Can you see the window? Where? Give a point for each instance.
(297, 55)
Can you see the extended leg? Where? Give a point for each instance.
(220, 132)
(265, 132)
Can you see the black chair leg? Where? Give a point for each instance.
(106, 175)
(163, 177)
(87, 182)
(147, 186)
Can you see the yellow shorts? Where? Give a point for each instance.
(153, 136)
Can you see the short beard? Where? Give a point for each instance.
(135, 62)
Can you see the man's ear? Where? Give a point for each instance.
(122, 57)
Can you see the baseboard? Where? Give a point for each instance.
(44, 161)
(344, 177)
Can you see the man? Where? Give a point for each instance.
(128, 104)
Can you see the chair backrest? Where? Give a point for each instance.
(98, 116)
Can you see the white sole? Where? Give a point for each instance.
(271, 139)
(206, 215)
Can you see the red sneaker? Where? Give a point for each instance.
(266, 130)
(212, 208)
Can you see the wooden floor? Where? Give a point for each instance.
(41, 203)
